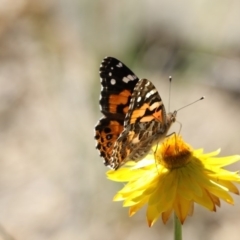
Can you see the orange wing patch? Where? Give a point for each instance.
(140, 113)
(158, 115)
(107, 133)
(119, 99)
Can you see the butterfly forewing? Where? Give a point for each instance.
(117, 82)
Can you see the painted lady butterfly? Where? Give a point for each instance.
(134, 115)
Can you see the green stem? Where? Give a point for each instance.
(177, 228)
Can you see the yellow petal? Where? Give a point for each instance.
(182, 208)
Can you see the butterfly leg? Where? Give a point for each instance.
(175, 136)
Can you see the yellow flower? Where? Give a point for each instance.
(173, 179)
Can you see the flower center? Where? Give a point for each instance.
(173, 153)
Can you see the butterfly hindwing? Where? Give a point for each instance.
(106, 133)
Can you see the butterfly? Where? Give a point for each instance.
(134, 116)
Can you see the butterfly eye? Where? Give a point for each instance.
(173, 118)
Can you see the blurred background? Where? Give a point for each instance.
(52, 180)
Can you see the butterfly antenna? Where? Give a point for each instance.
(191, 103)
(169, 95)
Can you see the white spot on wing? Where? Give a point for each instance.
(100, 106)
(131, 77)
(119, 64)
(154, 105)
(151, 93)
(126, 80)
(110, 74)
(139, 99)
(113, 81)
(147, 84)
